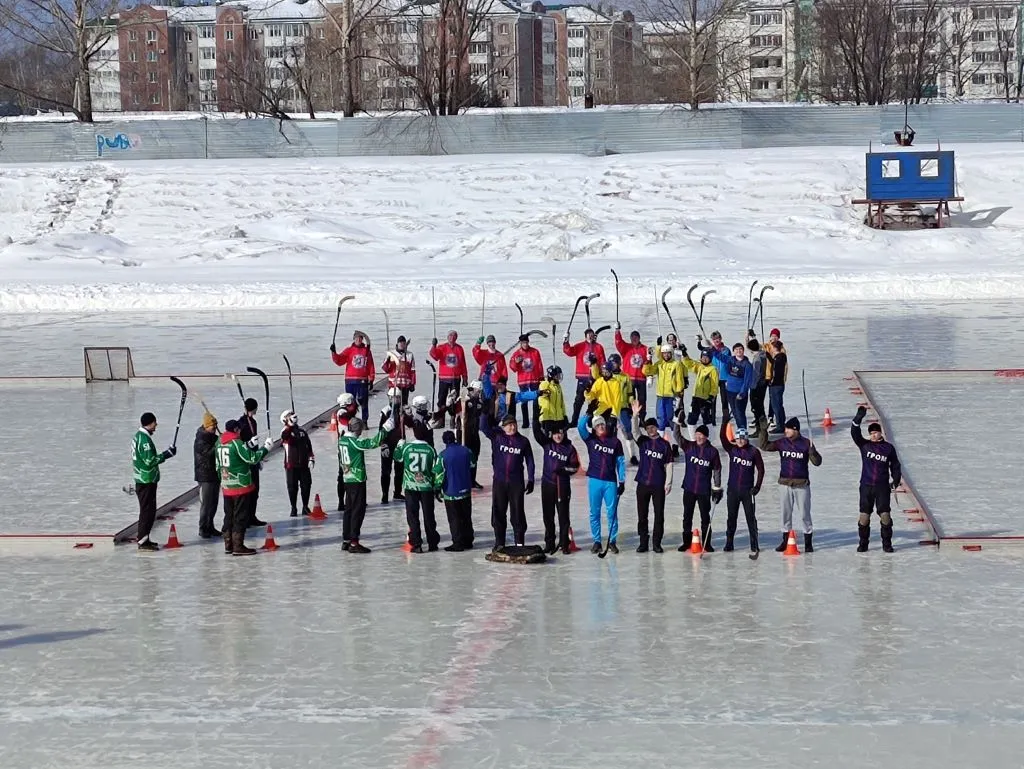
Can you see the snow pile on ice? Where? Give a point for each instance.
(537, 229)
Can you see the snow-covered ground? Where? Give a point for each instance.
(537, 229)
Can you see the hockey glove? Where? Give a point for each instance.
(592, 407)
(170, 452)
(618, 326)
(312, 462)
(439, 496)
(334, 348)
(682, 349)
(591, 359)
(895, 485)
(529, 487)
(433, 342)
(621, 490)
(268, 444)
(565, 339)
(716, 495)
(859, 417)
(755, 491)
(253, 443)
(658, 341)
(389, 425)
(479, 341)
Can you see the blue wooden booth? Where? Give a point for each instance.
(900, 184)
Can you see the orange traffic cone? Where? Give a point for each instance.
(317, 514)
(407, 545)
(696, 548)
(172, 539)
(334, 423)
(827, 421)
(573, 547)
(269, 543)
(791, 548)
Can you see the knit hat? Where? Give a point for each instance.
(447, 437)
(793, 424)
(874, 427)
(775, 332)
(524, 338)
(651, 423)
(401, 340)
(491, 338)
(598, 421)
(147, 419)
(741, 432)
(703, 430)
(209, 420)
(231, 426)
(508, 420)
(250, 404)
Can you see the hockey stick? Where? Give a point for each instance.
(538, 332)
(657, 312)
(597, 332)
(608, 544)
(433, 386)
(266, 391)
(234, 378)
(387, 328)
(483, 309)
(521, 322)
(433, 310)
(689, 298)
(181, 409)
(551, 320)
(750, 302)
(586, 305)
(703, 298)
(291, 390)
(580, 298)
(807, 413)
(707, 537)
(664, 304)
(760, 306)
(463, 397)
(616, 275)
(337, 318)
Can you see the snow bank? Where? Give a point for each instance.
(537, 229)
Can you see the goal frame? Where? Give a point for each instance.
(90, 373)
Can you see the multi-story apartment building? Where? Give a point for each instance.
(598, 55)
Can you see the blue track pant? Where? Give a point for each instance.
(666, 410)
(607, 492)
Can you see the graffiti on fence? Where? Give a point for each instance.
(119, 142)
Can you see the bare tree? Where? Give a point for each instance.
(304, 65)
(1007, 33)
(255, 87)
(918, 51)
(71, 31)
(957, 56)
(856, 45)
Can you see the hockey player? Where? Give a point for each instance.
(738, 381)
(453, 471)
(400, 366)
(635, 356)
(776, 371)
(352, 448)
(451, 358)
(388, 447)
(719, 357)
(529, 369)
(420, 420)
(146, 475)
(702, 484)
(671, 374)
(418, 458)
(299, 461)
(499, 402)
(606, 391)
(551, 402)
(359, 369)
(248, 430)
(795, 453)
(204, 461)
(512, 463)
(759, 388)
(606, 474)
(474, 409)
(347, 408)
(653, 478)
(878, 461)
(492, 355)
(705, 388)
(587, 353)
(236, 461)
(561, 462)
(744, 461)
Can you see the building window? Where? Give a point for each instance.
(1001, 79)
(599, 34)
(254, 34)
(576, 73)
(274, 53)
(479, 47)
(549, 70)
(135, 77)
(154, 98)
(762, 19)
(503, 29)
(229, 35)
(207, 74)
(549, 48)
(152, 77)
(188, 36)
(135, 99)
(978, 79)
(208, 54)
(504, 50)
(132, 36)
(766, 41)
(599, 54)
(150, 35)
(320, 33)
(133, 57)
(760, 84)
(575, 53)
(274, 30)
(297, 30)
(190, 58)
(575, 32)
(505, 72)
(929, 168)
(503, 93)
(206, 32)
(478, 70)
(576, 91)
(891, 169)
(150, 55)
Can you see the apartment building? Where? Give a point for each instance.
(598, 55)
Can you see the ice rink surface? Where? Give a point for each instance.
(310, 657)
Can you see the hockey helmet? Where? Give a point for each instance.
(420, 403)
(475, 386)
(554, 372)
(346, 399)
(288, 417)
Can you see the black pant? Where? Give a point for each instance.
(582, 385)
(757, 395)
(640, 393)
(644, 496)
(296, 478)
(209, 496)
(146, 492)
(725, 400)
(355, 511)
(508, 501)
(473, 444)
(460, 520)
(237, 512)
(341, 488)
(414, 502)
(554, 501)
(250, 505)
(445, 386)
(733, 499)
(387, 462)
(703, 502)
(701, 410)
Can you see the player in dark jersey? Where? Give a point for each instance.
(744, 462)
(653, 477)
(878, 461)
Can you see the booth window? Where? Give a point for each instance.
(929, 168)
(890, 169)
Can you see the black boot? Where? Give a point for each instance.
(864, 532)
(705, 536)
(808, 543)
(642, 547)
(238, 546)
(657, 548)
(782, 545)
(887, 539)
(355, 547)
(228, 547)
(728, 543)
(384, 498)
(613, 547)
(294, 513)
(595, 548)
(551, 548)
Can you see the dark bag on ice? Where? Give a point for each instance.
(518, 554)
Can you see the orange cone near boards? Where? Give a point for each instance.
(791, 548)
(695, 546)
(269, 543)
(172, 539)
(317, 513)
(573, 547)
(407, 545)
(827, 421)
(334, 423)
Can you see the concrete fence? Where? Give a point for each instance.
(591, 132)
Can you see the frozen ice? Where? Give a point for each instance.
(312, 657)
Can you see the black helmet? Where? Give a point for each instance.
(554, 372)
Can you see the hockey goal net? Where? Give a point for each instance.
(108, 364)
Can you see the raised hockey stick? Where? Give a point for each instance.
(337, 318)
(551, 321)
(238, 384)
(703, 298)
(483, 308)
(616, 276)
(586, 305)
(521, 321)
(387, 328)
(668, 314)
(266, 392)
(181, 409)
(760, 307)
(433, 310)
(657, 312)
(537, 332)
(807, 413)
(291, 389)
(433, 386)
(597, 332)
(696, 315)
(750, 302)
(579, 299)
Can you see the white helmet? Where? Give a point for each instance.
(346, 399)
(393, 392)
(288, 417)
(666, 348)
(475, 385)
(420, 403)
